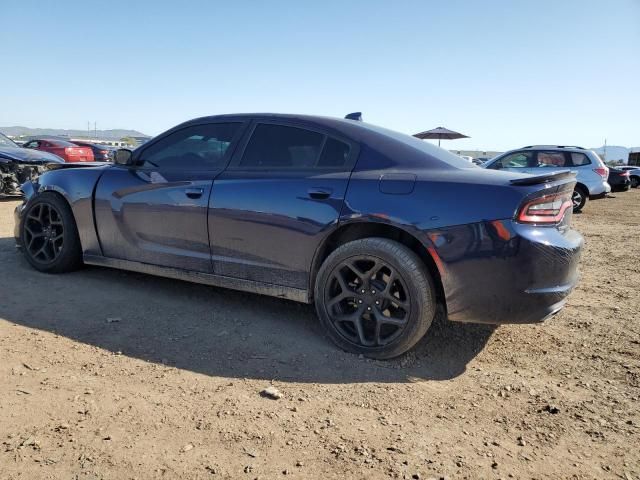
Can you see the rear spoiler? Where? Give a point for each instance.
(60, 166)
(545, 178)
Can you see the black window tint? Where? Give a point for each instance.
(201, 147)
(282, 147)
(579, 159)
(335, 154)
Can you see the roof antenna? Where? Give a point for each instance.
(354, 116)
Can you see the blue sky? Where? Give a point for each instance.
(507, 73)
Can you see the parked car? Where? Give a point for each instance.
(101, 153)
(379, 229)
(68, 151)
(17, 165)
(634, 174)
(466, 157)
(592, 173)
(619, 180)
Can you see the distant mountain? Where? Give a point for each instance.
(32, 132)
(614, 153)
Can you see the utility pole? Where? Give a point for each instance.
(604, 154)
(95, 129)
(88, 128)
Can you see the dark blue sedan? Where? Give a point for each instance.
(377, 228)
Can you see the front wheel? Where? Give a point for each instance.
(49, 235)
(635, 182)
(579, 198)
(375, 297)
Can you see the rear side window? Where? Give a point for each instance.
(552, 159)
(579, 159)
(278, 146)
(200, 147)
(334, 154)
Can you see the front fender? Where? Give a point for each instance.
(77, 187)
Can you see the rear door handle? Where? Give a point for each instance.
(319, 193)
(194, 192)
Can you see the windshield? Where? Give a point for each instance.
(426, 147)
(7, 142)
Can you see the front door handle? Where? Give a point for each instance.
(319, 193)
(194, 192)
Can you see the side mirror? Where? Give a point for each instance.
(123, 156)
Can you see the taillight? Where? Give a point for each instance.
(624, 174)
(104, 152)
(546, 210)
(602, 171)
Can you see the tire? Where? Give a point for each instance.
(579, 198)
(49, 235)
(397, 288)
(635, 181)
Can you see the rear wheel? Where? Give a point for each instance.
(50, 236)
(375, 297)
(635, 182)
(579, 198)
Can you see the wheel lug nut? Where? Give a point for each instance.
(369, 308)
(359, 301)
(373, 292)
(377, 302)
(362, 291)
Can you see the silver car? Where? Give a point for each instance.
(634, 174)
(591, 171)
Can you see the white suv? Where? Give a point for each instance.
(591, 171)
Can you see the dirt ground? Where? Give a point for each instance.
(114, 375)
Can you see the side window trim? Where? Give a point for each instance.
(234, 164)
(228, 154)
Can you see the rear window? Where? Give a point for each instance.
(61, 143)
(421, 145)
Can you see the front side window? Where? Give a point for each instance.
(278, 146)
(513, 160)
(200, 147)
(552, 159)
(32, 144)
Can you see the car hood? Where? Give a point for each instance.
(26, 155)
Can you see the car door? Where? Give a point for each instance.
(281, 194)
(155, 210)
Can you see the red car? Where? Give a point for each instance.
(68, 151)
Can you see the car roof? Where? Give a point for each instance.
(571, 148)
(388, 143)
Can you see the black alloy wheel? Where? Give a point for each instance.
(43, 233)
(375, 297)
(49, 235)
(367, 301)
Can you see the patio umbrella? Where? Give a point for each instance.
(440, 133)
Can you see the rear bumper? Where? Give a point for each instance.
(504, 272)
(598, 189)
